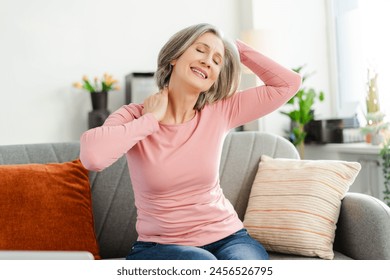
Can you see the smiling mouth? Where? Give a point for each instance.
(199, 72)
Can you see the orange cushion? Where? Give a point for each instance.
(46, 207)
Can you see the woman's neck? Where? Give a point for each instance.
(180, 106)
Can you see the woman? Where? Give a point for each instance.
(173, 144)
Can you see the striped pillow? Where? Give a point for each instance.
(294, 205)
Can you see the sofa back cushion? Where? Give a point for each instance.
(114, 209)
(240, 159)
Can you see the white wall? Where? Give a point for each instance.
(46, 45)
(296, 34)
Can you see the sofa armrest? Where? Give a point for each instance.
(363, 229)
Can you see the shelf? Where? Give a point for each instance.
(351, 148)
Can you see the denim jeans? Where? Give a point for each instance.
(238, 246)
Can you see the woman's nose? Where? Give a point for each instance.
(206, 61)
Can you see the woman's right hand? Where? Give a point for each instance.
(157, 104)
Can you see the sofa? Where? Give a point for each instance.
(362, 230)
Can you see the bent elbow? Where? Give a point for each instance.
(90, 154)
(90, 161)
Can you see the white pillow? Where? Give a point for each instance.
(294, 205)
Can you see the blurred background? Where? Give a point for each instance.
(47, 45)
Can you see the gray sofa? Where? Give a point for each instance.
(363, 230)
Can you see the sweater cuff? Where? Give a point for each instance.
(242, 47)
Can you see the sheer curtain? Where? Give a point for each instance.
(376, 45)
(362, 42)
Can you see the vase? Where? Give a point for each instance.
(99, 100)
(376, 139)
(97, 118)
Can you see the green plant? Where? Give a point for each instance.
(375, 123)
(372, 100)
(302, 111)
(106, 83)
(385, 154)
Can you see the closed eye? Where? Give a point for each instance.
(217, 59)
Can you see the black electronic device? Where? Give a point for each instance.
(342, 130)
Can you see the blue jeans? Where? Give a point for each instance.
(238, 246)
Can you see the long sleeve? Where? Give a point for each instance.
(102, 146)
(280, 84)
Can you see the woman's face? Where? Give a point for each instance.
(199, 66)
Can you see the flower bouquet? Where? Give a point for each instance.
(105, 84)
(98, 90)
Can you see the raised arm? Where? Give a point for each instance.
(102, 146)
(280, 84)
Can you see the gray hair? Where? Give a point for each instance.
(229, 77)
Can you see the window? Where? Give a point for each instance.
(361, 43)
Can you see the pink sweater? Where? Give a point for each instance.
(175, 168)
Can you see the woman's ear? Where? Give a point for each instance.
(173, 62)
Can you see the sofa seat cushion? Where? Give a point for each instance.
(46, 207)
(294, 205)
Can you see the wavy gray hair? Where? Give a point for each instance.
(229, 77)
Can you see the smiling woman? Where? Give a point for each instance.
(223, 53)
(198, 61)
(173, 144)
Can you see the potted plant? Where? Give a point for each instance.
(98, 89)
(375, 127)
(302, 112)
